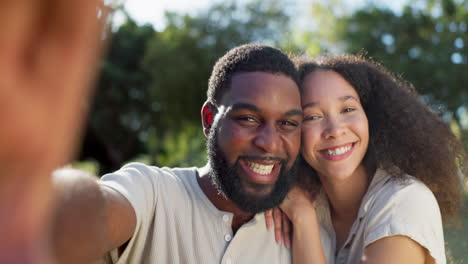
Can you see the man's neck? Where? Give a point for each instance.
(219, 201)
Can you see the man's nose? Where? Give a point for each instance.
(268, 139)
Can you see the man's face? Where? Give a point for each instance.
(255, 140)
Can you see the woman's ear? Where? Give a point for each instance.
(208, 112)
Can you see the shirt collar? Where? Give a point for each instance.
(379, 179)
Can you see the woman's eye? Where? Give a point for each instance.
(349, 109)
(312, 118)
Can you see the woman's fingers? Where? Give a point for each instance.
(277, 217)
(282, 226)
(286, 230)
(269, 218)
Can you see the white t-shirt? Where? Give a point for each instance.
(390, 207)
(177, 223)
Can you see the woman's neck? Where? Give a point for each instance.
(345, 195)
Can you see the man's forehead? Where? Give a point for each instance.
(255, 87)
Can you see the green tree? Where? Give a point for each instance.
(180, 58)
(115, 123)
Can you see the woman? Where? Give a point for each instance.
(382, 167)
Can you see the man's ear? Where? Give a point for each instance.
(208, 113)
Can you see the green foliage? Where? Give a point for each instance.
(429, 50)
(90, 166)
(320, 35)
(427, 47)
(455, 236)
(180, 58)
(116, 120)
(186, 148)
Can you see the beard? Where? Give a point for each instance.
(226, 179)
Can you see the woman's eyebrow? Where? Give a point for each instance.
(348, 97)
(341, 98)
(311, 104)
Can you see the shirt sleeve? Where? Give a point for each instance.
(409, 210)
(139, 184)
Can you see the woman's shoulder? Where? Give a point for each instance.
(406, 206)
(404, 202)
(405, 192)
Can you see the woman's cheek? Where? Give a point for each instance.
(310, 136)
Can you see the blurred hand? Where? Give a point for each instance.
(48, 50)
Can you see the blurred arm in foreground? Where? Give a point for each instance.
(49, 51)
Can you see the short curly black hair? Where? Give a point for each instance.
(405, 136)
(247, 58)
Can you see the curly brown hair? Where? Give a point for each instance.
(405, 136)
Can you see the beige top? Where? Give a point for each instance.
(177, 223)
(390, 207)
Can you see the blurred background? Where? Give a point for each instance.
(153, 80)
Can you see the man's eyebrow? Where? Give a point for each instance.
(294, 112)
(245, 106)
(253, 108)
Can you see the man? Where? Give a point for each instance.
(252, 120)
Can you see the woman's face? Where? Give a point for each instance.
(335, 132)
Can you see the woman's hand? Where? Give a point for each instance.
(296, 204)
(296, 220)
(277, 219)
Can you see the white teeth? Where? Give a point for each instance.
(338, 151)
(260, 168)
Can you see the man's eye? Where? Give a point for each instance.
(246, 120)
(290, 123)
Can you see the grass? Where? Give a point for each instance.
(457, 238)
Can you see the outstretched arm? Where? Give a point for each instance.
(48, 51)
(90, 219)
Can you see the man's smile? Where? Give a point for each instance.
(260, 171)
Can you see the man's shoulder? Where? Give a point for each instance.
(145, 176)
(140, 169)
